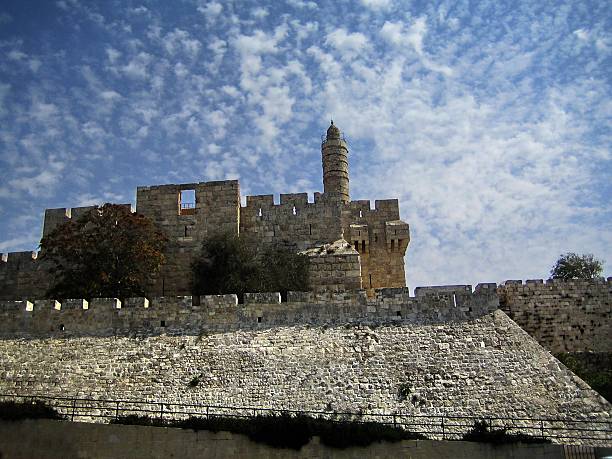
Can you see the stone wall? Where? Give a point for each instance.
(58, 440)
(23, 275)
(378, 234)
(220, 313)
(482, 366)
(563, 316)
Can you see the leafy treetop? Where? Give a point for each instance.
(108, 252)
(232, 264)
(574, 266)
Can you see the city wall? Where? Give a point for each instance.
(563, 316)
(477, 366)
(220, 313)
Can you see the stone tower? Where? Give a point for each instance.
(335, 165)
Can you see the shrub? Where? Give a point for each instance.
(232, 264)
(288, 431)
(482, 433)
(13, 411)
(574, 266)
(403, 391)
(594, 368)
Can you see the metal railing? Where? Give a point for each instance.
(445, 427)
(187, 205)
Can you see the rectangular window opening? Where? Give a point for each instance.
(363, 246)
(357, 246)
(398, 313)
(370, 281)
(162, 323)
(187, 201)
(259, 320)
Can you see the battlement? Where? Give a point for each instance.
(563, 282)
(16, 260)
(218, 313)
(56, 217)
(301, 200)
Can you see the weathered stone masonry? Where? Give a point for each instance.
(563, 316)
(452, 349)
(218, 313)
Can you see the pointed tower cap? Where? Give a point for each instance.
(332, 131)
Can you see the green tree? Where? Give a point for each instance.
(574, 266)
(107, 252)
(232, 264)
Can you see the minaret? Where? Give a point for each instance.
(335, 165)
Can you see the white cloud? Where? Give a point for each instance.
(377, 4)
(181, 40)
(396, 34)
(139, 10)
(582, 34)
(138, 66)
(44, 181)
(34, 65)
(112, 54)
(4, 91)
(16, 55)
(302, 4)
(16, 242)
(210, 10)
(347, 44)
(110, 95)
(260, 12)
(260, 42)
(5, 18)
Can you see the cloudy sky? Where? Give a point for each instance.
(490, 121)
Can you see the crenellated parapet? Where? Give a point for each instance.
(219, 313)
(56, 217)
(294, 220)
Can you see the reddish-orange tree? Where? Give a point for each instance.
(108, 252)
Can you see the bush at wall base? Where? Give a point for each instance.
(14, 411)
(287, 431)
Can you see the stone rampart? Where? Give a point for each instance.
(219, 313)
(563, 316)
(479, 366)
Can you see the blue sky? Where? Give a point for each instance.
(490, 121)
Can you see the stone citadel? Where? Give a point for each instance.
(352, 344)
(372, 258)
